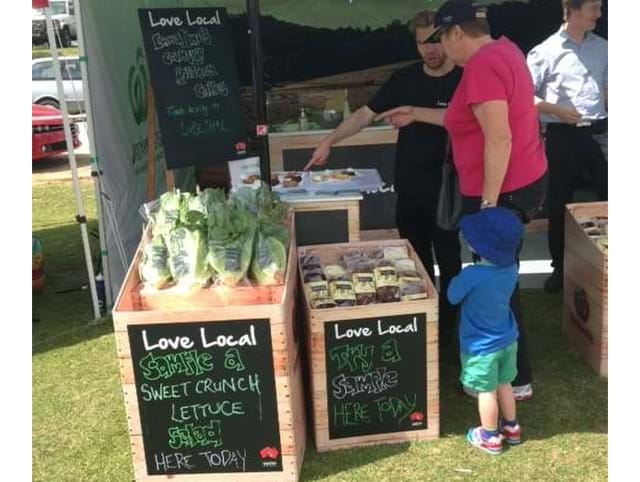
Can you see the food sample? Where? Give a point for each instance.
(387, 284)
(364, 286)
(321, 303)
(334, 271)
(342, 292)
(395, 252)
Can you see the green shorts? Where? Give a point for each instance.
(484, 373)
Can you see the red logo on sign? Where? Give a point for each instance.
(416, 417)
(262, 129)
(269, 453)
(241, 146)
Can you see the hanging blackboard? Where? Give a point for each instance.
(195, 84)
(206, 396)
(376, 375)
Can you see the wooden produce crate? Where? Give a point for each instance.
(389, 349)
(212, 380)
(586, 288)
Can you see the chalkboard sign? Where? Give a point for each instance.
(195, 84)
(376, 375)
(206, 396)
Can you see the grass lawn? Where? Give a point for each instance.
(79, 424)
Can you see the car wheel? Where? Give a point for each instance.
(65, 38)
(49, 102)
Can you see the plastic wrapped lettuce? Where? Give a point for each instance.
(231, 234)
(196, 210)
(168, 213)
(269, 262)
(187, 247)
(154, 267)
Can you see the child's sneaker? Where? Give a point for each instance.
(491, 446)
(511, 434)
(523, 392)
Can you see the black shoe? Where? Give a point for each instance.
(553, 284)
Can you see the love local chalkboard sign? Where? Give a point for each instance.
(376, 375)
(206, 395)
(195, 84)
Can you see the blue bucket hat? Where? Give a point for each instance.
(494, 234)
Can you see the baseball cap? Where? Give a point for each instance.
(455, 12)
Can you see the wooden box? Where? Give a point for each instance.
(238, 413)
(379, 391)
(586, 286)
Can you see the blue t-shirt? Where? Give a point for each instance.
(487, 323)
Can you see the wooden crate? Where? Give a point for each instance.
(136, 307)
(586, 288)
(318, 319)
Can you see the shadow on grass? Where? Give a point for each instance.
(568, 396)
(320, 466)
(62, 314)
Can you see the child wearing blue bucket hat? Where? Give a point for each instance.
(488, 330)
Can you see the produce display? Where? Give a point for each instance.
(203, 239)
(362, 277)
(597, 228)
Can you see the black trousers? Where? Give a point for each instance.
(416, 220)
(526, 202)
(571, 151)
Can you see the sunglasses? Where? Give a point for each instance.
(433, 39)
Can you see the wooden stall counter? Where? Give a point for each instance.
(586, 283)
(373, 367)
(321, 219)
(212, 380)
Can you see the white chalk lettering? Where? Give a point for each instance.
(165, 343)
(248, 339)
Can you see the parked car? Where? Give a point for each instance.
(43, 83)
(47, 132)
(64, 23)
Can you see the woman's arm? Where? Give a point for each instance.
(493, 117)
(406, 114)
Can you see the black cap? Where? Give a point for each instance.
(455, 12)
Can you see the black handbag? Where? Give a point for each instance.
(449, 209)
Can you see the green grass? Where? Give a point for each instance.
(41, 52)
(79, 422)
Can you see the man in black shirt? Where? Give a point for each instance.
(420, 153)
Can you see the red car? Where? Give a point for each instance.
(47, 132)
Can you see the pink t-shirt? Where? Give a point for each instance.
(497, 71)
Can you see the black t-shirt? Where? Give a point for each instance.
(421, 147)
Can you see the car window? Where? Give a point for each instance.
(70, 69)
(42, 71)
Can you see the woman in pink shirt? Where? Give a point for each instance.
(493, 126)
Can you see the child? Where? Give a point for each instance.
(488, 330)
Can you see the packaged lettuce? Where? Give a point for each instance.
(269, 262)
(231, 234)
(168, 213)
(154, 268)
(187, 247)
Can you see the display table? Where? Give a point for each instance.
(373, 367)
(324, 219)
(212, 380)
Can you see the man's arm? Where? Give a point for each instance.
(407, 114)
(493, 117)
(348, 127)
(566, 115)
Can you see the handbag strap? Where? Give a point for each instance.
(448, 158)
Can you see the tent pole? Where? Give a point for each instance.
(95, 166)
(253, 15)
(80, 217)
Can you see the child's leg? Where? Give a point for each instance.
(507, 402)
(488, 408)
